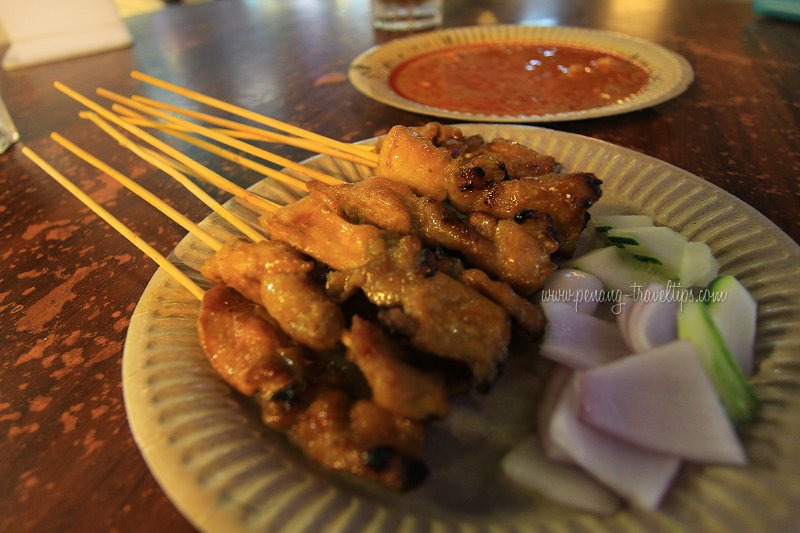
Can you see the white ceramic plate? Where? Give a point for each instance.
(226, 473)
(670, 74)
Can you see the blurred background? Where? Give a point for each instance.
(128, 8)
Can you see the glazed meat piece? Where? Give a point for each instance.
(437, 160)
(244, 345)
(274, 274)
(413, 159)
(523, 311)
(396, 386)
(334, 428)
(378, 202)
(519, 160)
(480, 181)
(441, 134)
(439, 314)
(565, 198)
(521, 249)
(317, 229)
(515, 252)
(362, 439)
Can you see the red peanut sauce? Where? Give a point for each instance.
(517, 79)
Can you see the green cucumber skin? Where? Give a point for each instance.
(617, 269)
(647, 259)
(623, 240)
(728, 313)
(739, 399)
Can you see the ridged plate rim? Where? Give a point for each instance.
(225, 473)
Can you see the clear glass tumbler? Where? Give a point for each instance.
(406, 15)
(8, 132)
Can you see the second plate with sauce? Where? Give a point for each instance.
(520, 73)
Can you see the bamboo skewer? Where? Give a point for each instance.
(181, 178)
(254, 201)
(250, 115)
(172, 158)
(144, 122)
(172, 213)
(286, 179)
(264, 170)
(115, 223)
(230, 141)
(258, 133)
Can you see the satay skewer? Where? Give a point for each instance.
(185, 181)
(206, 132)
(254, 133)
(251, 115)
(286, 179)
(171, 213)
(115, 223)
(209, 175)
(239, 159)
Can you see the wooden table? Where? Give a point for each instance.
(69, 283)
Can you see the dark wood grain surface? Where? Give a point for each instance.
(69, 283)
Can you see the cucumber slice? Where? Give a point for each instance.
(603, 223)
(655, 243)
(738, 398)
(735, 318)
(617, 269)
(698, 266)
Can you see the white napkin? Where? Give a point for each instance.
(41, 31)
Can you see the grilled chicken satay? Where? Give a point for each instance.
(244, 344)
(510, 250)
(513, 158)
(277, 276)
(481, 181)
(439, 314)
(316, 404)
(362, 439)
(517, 252)
(396, 385)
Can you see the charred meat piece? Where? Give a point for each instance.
(335, 428)
(523, 311)
(518, 253)
(517, 160)
(566, 198)
(244, 345)
(396, 386)
(274, 274)
(477, 178)
(439, 314)
(521, 250)
(362, 439)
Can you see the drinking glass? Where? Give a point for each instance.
(406, 15)
(8, 132)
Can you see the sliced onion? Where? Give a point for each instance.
(653, 321)
(640, 476)
(575, 287)
(557, 379)
(626, 307)
(661, 400)
(578, 340)
(527, 466)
